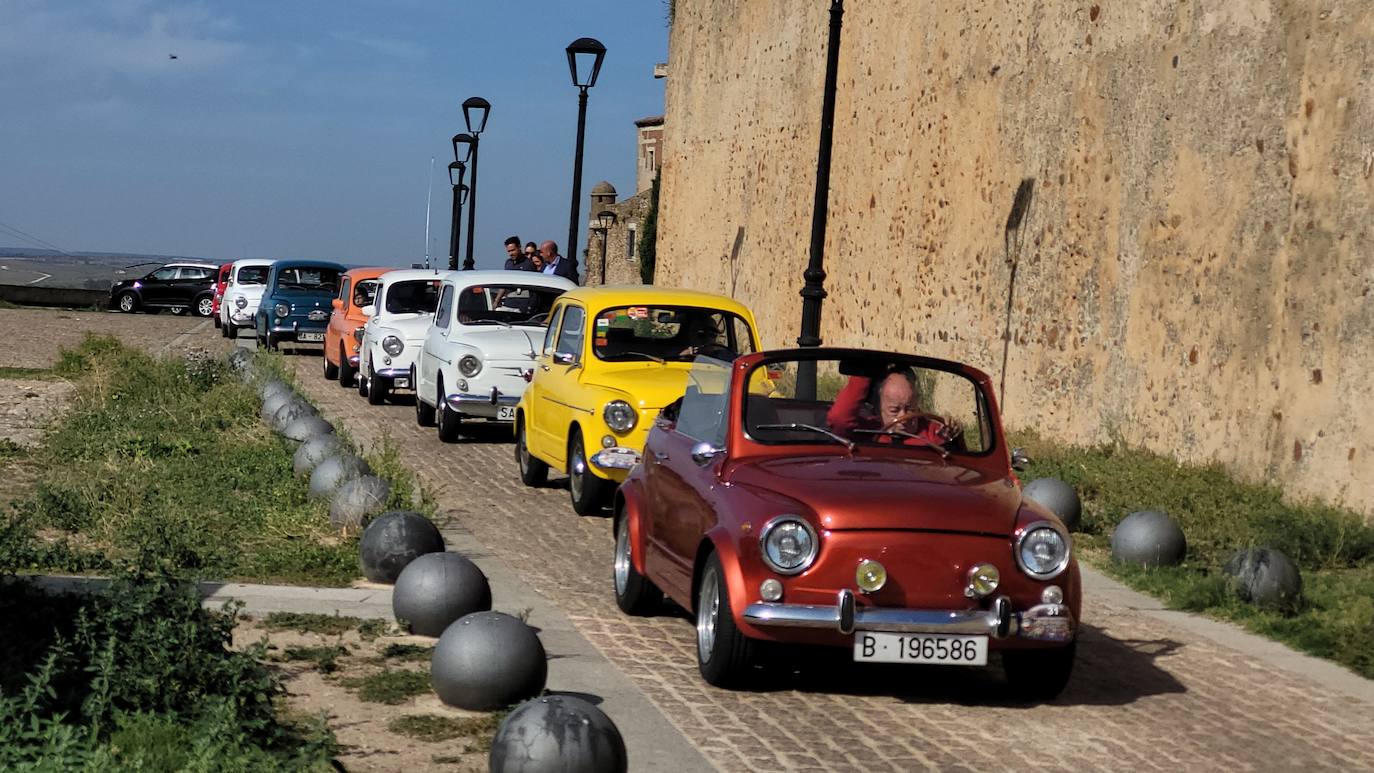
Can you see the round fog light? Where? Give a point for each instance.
(871, 576)
(983, 579)
(770, 589)
(607, 441)
(462, 385)
(1052, 595)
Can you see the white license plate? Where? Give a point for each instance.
(505, 413)
(401, 382)
(310, 337)
(921, 648)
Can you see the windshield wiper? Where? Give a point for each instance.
(812, 428)
(944, 454)
(491, 321)
(658, 360)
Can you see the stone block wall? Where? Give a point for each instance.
(1148, 220)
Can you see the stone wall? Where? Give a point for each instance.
(1148, 220)
(621, 264)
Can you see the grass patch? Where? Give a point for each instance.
(434, 728)
(12, 450)
(324, 659)
(328, 625)
(406, 491)
(1219, 515)
(407, 652)
(163, 461)
(390, 686)
(45, 374)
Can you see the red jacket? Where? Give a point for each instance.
(851, 411)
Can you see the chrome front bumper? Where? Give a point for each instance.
(1044, 622)
(616, 458)
(487, 406)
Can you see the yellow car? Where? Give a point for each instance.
(612, 358)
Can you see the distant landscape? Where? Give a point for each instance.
(83, 270)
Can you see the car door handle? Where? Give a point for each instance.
(660, 456)
(544, 367)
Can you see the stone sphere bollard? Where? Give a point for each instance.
(273, 403)
(557, 734)
(1058, 497)
(436, 589)
(335, 471)
(314, 451)
(487, 660)
(357, 500)
(303, 428)
(1149, 538)
(392, 540)
(239, 358)
(272, 387)
(1266, 578)
(291, 411)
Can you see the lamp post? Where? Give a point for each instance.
(813, 290)
(455, 178)
(604, 220)
(475, 113)
(584, 62)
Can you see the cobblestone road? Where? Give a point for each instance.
(1144, 696)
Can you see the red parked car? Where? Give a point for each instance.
(221, 281)
(847, 498)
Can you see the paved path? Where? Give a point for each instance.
(1148, 694)
(33, 337)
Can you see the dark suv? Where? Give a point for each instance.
(175, 286)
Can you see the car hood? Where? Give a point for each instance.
(502, 343)
(302, 303)
(894, 493)
(412, 327)
(247, 291)
(650, 384)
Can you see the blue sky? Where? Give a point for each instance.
(306, 128)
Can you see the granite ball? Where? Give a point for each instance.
(1149, 538)
(1266, 578)
(303, 428)
(557, 734)
(1058, 497)
(291, 411)
(392, 540)
(436, 589)
(272, 387)
(335, 471)
(316, 450)
(272, 404)
(486, 661)
(239, 358)
(358, 500)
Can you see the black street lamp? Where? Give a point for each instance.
(604, 220)
(584, 62)
(455, 178)
(813, 290)
(475, 113)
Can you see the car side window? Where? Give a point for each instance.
(552, 331)
(701, 415)
(444, 313)
(165, 274)
(195, 273)
(570, 333)
(343, 291)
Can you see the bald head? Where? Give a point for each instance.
(895, 397)
(549, 249)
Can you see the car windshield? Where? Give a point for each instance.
(506, 304)
(252, 275)
(415, 296)
(872, 399)
(310, 278)
(669, 334)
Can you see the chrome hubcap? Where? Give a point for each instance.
(576, 470)
(622, 557)
(708, 612)
(126, 303)
(206, 306)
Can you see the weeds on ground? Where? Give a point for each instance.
(165, 459)
(406, 491)
(391, 686)
(323, 658)
(1219, 515)
(328, 625)
(407, 652)
(434, 728)
(43, 374)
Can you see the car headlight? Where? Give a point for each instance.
(789, 544)
(240, 302)
(282, 310)
(469, 365)
(1042, 551)
(392, 345)
(619, 416)
(358, 335)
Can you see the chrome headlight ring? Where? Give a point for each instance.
(282, 310)
(788, 544)
(393, 345)
(1045, 545)
(240, 302)
(469, 365)
(620, 416)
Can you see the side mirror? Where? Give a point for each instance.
(1019, 460)
(564, 358)
(704, 452)
(368, 311)
(337, 304)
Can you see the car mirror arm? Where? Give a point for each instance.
(704, 452)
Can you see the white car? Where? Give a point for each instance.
(242, 292)
(478, 355)
(400, 313)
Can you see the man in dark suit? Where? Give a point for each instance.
(557, 264)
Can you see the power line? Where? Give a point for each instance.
(15, 232)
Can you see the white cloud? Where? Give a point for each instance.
(395, 47)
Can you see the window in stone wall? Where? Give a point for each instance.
(631, 243)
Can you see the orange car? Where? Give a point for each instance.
(356, 290)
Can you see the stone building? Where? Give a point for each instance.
(613, 255)
(650, 151)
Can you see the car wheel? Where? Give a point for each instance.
(449, 421)
(424, 412)
(273, 344)
(177, 310)
(533, 471)
(724, 655)
(205, 306)
(346, 372)
(376, 388)
(219, 324)
(331, 371)
(634, 593)
(127, 303)
(588, 491)
(1038, 675)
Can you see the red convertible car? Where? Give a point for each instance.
(846, 498)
